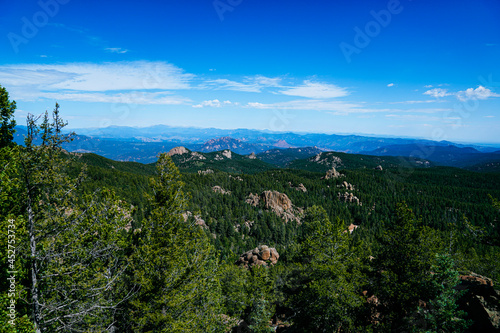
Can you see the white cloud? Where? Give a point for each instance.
(138, 75)
(144, 98)
(225, 84)
(316, 105)
(214, 104)
(417, 102)
(116, 50)
(316, 90)
(428, 86)
(249, 84)
(338, 107)
(390, 85)
(478, 93)
(139, 82)
(437, 92)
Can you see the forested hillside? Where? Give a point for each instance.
(220, 242)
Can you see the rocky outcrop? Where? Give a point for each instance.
(197, 219)
(347, 186)
(481, 302)
(277, 202)
(205, 172)
(349, 197)
(253, 199)
(301, 187)
(197, 156)
(252, 156)
(248, 224)
(379, 167)
(218, 189)
(238, 178)
(177, 151)
(227, 154)
(332, 173)
(352, 227)
(327, 159)
(261, 256)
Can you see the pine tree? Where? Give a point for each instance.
(402, 264)
(174, 265)
(7, 109)
(443, 314)
(327, 295)
(75, 241)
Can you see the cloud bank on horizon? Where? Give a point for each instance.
(181, 65)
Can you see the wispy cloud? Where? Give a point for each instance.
(390, 85)
(145, 98)
(417, 102)
(106, 82)
(215, 103)
(478, 93)
(118, 50)
(311, 89)
(248, 84)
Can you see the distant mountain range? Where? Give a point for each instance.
(144, 144)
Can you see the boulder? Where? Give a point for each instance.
(218, 189)
(260, 256)
(349, 197)
(481, 302)
(277, 202)
(253, 199)
(205, 172)
(332, 173)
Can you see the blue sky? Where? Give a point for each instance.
(427, 69)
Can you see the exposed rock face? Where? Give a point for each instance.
(301, 187)
(332, 174)
(205, 172)
(248, 224)
(349, 197)
(262, 256)
(347, 186)
(177, 151)
(238, 178)
(226, 153)
(253, 199)
(277, 202)
(379, 167)
(218, 189)
(481, 302)
(327, 159)
(252, 156)
(197, 156)
(197, 219)
(352, 227)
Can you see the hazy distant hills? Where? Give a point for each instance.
(282, 149)
(449, 155)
